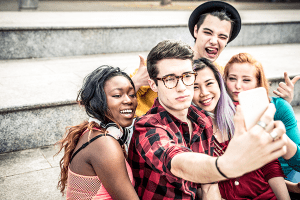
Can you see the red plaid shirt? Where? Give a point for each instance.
(157, 138)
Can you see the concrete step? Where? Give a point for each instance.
(58, 34)
(37, 96)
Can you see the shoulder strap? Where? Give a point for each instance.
(87, 143)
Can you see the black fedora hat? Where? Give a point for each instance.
(212, 6)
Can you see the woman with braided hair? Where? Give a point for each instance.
(94, 165)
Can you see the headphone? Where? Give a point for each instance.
(113, 130)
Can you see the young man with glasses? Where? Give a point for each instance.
(171, 147)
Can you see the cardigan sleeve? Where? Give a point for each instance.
(145, 98)
(285, 113)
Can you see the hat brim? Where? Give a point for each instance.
(212, 6)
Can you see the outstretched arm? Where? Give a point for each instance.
(247, 151)
(286, 90)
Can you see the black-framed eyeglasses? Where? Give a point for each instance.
(171, 81)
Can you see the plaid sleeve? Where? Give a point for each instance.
(272, 169)
(157, 148)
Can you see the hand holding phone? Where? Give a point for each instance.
(253, 104)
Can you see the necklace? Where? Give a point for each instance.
(215, 132)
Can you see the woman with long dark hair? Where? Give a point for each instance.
(94, 165)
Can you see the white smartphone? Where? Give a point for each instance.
(253, 103)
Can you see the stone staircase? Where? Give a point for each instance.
(45, 56)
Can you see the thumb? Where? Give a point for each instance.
(295, 79)
(239, 122)
(142, 61)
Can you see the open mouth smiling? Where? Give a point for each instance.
(212, 51)
(126, 112)
(206, 102)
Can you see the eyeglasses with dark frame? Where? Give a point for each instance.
(171, 81)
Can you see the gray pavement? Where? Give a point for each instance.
(30, 174)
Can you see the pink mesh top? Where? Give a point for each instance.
(89, 187)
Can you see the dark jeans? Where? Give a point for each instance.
(294, 196)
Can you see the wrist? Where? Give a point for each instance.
(219, 170)
(227, 168)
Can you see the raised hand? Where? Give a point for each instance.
(141, 77)
(286, 90)
(250, 150)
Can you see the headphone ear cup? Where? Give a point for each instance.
(115, 132)
(124, 137)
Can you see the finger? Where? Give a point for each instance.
(269, 127)
(277, 132)
(283, 92)
(279, 149)
(142, 61)
(268, 115)
(287, 79)
(239, 121)
(265, 123)
(295, 79)
(283, 86)
(280, 126)
(278, 93)
(279, 144)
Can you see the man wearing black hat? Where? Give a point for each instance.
(213, 25)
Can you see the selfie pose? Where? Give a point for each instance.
(94, 165)
(172, 145)
(210, 95)
(242, 73)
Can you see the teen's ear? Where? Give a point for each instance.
(152, 85)
(195, 31)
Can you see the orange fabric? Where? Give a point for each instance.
(82, 187)
(145, 95)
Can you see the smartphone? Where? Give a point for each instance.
(253, 103)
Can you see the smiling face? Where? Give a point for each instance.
(179, 98)
(206, 90)
(211, 38)
(121, 100)
(241, 77)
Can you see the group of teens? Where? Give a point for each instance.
(189, 139)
